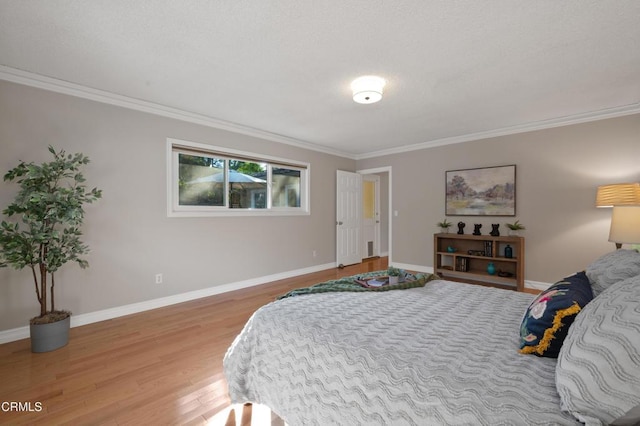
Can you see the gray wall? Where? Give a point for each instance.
(132, 239)
(558, 171)
(130, 236)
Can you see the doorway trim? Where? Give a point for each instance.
(370, 226)
(385, 169)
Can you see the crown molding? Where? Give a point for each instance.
(51, 84)
(64, 87)
(512, 130)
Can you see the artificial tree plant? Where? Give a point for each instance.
(45, 233)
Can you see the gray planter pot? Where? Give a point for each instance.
(49, 337)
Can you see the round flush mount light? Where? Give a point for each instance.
(367, 89)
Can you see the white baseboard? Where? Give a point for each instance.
(106, 314)
(14, 334)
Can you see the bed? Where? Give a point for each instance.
(446, 353)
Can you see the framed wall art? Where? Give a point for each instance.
(487, 191)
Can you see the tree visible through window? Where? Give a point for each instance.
(221, 181)
(200, 180)
(247, 185)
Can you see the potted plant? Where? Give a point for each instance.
(515, 227)
(444, 225)
(394, 275)
(45, 235)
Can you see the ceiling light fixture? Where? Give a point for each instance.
(367, 89)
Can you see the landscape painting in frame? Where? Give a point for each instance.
(488, 191)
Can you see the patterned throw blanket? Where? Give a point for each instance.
(351, 284)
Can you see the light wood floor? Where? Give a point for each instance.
(157, 367)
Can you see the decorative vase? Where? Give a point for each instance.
(508, 252)
(49, 337)
(491, 269)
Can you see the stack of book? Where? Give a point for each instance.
(462, 264)
(488, 248)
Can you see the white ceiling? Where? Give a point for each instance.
(456, 70)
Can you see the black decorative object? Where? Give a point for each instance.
(476, 229)
(508, 252)
(461, 226)
(495, 232)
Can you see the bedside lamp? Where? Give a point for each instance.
(625, 225)
(625, 219)
(618, 194)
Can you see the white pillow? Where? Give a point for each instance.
(598, 369)
(611, 268)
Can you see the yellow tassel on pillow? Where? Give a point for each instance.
(549, 333)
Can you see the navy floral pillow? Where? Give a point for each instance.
(548, 318)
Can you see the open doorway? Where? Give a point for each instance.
(383, 175)
(351, 248)
(370, 216)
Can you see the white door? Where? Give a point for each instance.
(348, 218)
(370, 215)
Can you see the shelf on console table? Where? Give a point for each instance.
(472, 255)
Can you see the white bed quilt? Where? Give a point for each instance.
(444, 354)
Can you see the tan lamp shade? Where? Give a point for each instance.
(625, 225)
(618, 194)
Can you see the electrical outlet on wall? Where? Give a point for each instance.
(158, 278)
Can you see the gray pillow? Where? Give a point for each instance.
(598, 369)
(632, 418)
(611, 268)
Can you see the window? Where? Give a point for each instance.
(286, 187)
(207, 181)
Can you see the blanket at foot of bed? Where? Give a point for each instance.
(353, 284)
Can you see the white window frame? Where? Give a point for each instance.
(176, 146)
